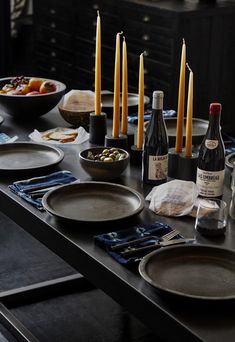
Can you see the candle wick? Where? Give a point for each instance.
(188, 67)
(124, 38)
(183, 41)
(120, 32)
(98, 13)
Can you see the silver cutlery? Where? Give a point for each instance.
(133, 250)
(165, 237)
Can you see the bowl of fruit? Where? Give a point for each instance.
(104, 163)
(29, 96)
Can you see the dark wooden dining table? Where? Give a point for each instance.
(172, 319)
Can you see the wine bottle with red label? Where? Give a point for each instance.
(211, 159)
(155, 154)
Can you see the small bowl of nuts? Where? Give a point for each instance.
(104, 163)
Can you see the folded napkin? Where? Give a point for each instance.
(155, 231)
(229, 143)
(40, 185)
(61, 135)
(133, 118)
(4, 138)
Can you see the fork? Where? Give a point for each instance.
(165, 237)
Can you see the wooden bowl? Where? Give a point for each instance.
(75, 117)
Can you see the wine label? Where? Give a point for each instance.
(210, 183)
(158, 167)
(211, 144)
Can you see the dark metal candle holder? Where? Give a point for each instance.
(130, 139)
(136, 155)
(97, 128)
(187, 167)
(120, 142)
(173, 158)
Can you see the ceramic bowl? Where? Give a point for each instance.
(230, 160)
(100, 170)
(30, 106)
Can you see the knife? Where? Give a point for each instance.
(132, 250)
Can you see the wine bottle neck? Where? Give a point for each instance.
(157, 104)
(214, 124)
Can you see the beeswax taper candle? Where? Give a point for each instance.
(98, 67)
(140, 128)
(181, 99)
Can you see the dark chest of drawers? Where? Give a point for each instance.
(65, 46)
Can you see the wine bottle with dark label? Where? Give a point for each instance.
(211, 159)
(155, 154)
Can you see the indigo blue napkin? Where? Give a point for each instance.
(24, 187)
(229, 147)
(154, 230)
(4, 138)
(133, 118)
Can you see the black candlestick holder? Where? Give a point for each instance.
(130, 139)
(173, 158)
(136, 155)
(120, 141)
(97, 128)
(187, 167)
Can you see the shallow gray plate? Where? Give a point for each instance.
(22, 156)
(199, 129)
(93, 202)
(192, 271)
(107, 100)
(230, 161)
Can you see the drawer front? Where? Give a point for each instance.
(54, 38)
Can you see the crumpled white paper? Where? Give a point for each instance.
(82, 100)
(81, 137)
(174, 198)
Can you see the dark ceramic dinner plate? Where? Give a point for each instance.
(193, 271)
(107, 101)
(230, 161)
(93, 202)
(199, 129)
(26, 156)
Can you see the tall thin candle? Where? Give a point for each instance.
(124, 88)
(189, 122)
(116, 95)
(140, 128)
(98, 67)
(181, 99)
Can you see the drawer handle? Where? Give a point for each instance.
(53, 40)
(145, 37)
(53, 25)
(95, 6)
(53, 69)
(53, 53)
(146, 53)
(94, 23)
(93, 54)
(146, 71)
(52, 11)
(146, 18)
(94, 38)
